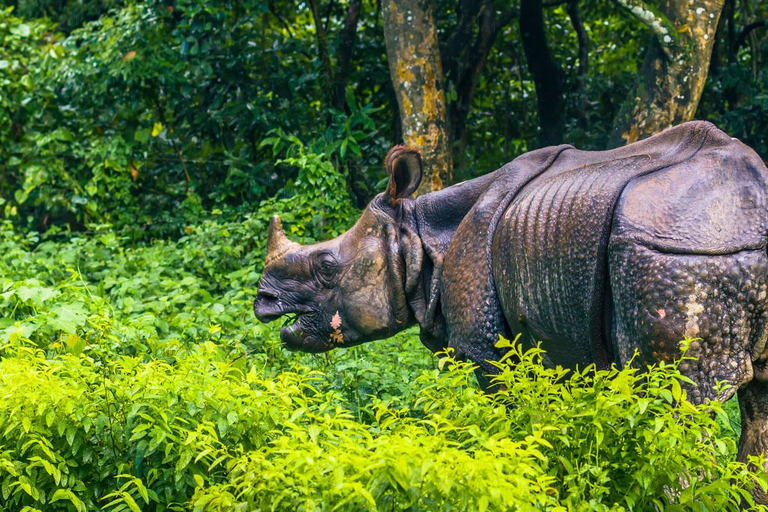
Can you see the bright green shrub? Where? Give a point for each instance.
(550, 440)
(134, 377)
(71, 426)
(625, 437)
(82, 433)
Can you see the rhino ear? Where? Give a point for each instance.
(404, 169)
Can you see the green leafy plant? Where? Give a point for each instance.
(118, 397)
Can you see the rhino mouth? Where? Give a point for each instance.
(299, 333)
(300, 329)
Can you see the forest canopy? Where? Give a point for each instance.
(144, 115)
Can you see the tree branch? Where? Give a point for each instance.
(746, 15)
(470, 69)
(583, 39)
(660, 26)
(283, 22)
(505, 19)
(468, 13)
(729, 13)
(344, 52)
(745, 33)
(489, 28)
(328, 13)
(547, 75)
(322, 46)
(581, 36)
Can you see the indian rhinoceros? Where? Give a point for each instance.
(596, 254)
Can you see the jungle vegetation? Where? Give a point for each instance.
(144, 147)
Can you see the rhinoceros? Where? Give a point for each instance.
(595, 254)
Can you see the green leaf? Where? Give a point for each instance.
(67, 494)
(75, 344)
(22, 29)
(343, 149)
(677, 392)
(36, 294)
(68, 317)
(128, 500)
(142, 135)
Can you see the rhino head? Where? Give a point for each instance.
(358, 287)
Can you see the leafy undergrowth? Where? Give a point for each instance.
(135, 378)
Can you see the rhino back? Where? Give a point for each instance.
(714, 203)
(550, 249)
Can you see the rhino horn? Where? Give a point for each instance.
(277, 243)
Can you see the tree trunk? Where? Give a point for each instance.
(410, 34)
(464, 63)
(716, 59)
(344, 54)
(748, 33)
(668, 89)
(322, 46)
(729, 12)
(335, 82)
(547, 76)
(583, 39)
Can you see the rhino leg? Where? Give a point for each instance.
(660, 298)
(470, 302)
(719, 301)
(753, 402)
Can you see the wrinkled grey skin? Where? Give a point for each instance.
(598, 254)
(362, 275)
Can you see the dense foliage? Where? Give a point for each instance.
(135, 378)
(129, 115)
(143, 115)
(143, 148)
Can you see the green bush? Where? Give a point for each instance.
(550, 440)
(23, 49)
(126, 120)
(212, 432)
(133, 376)
(97, 347)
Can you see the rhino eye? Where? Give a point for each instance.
(326, 268)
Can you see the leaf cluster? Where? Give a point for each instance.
(116, 396)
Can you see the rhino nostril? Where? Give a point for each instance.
(267, 306)
(266, 295)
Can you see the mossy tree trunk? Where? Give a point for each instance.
(668, 89)
(410, 34)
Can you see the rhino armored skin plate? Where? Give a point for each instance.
(597, 254)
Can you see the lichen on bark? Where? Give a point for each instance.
(668, 88)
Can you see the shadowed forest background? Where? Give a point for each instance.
(144, 147)
(145, 115)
